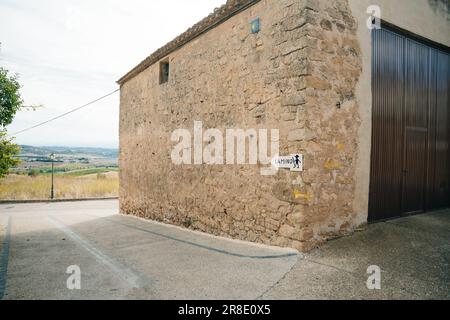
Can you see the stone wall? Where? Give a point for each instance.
(291, 76)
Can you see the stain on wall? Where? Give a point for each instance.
(441, 7)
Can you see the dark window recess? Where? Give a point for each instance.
(164, 72)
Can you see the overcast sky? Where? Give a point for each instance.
(70, 52)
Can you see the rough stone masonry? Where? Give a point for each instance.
(297, 74)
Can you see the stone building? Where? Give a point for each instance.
(368, 109)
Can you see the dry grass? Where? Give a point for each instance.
(20, 187)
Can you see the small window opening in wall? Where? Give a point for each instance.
(164, 71)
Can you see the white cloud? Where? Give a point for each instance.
(70, 52)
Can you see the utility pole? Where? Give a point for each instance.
(52, 195)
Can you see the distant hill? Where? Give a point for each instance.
(66, 158)
(69, 151)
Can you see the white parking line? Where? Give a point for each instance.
(124, 273)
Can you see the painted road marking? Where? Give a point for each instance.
(124, 273)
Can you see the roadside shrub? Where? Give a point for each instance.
(101, 176)
(33, 172)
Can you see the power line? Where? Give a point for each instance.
(65, 114)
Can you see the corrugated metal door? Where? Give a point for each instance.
(416, 126)
(439, 186)
(387, 133)
(410, 135)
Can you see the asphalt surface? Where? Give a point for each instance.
(123, 257)
(126, 258)
(413, 254)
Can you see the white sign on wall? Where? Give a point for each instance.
(294, 162)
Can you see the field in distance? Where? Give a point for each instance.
(78, 173)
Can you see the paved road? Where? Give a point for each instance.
(413, 254)
(126, 258)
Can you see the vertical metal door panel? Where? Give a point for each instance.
(432, 120)
(416, 126)
(441, 190)
(387, 136)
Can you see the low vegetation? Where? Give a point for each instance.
(79, 173)
(91, 183)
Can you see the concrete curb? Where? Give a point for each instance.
(55, 200)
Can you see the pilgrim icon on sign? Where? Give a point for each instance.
(296, 161)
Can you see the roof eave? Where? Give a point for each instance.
(219, 16)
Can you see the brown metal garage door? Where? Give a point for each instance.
(410, 135)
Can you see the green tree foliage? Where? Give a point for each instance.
(10, 99)
(10, 103)
(8, 152)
